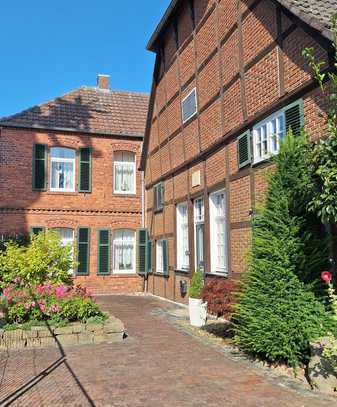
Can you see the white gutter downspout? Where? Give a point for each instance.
(145, 282)
(143, 199)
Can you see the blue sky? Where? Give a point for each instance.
(49, 48)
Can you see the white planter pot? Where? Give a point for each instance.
(198, 312)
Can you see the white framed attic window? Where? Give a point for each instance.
(189, 105)
(124, 172)
(62, 174)
(267, 135)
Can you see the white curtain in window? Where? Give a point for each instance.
(123, 251)
(125, 172)
(62, 169)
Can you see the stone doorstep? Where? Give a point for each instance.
(76, 333)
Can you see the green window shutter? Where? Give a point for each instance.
(162, 194)
(294, 117)
(103, 255)
(149, 256)
(39, 167)
(83, 251)
(35, 230)
(244, 150)
(155, 197)
(84, 171)
(142, 239)
(165, 258)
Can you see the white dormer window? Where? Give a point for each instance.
(124, 172)
(189, 105)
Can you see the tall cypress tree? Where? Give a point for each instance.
(277, 314)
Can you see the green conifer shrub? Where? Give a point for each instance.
(197, 284)
(278, 315)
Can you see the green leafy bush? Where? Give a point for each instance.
(278, 315)
(44, 259)
(197, 284)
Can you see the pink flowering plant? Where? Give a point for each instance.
(48, 302)
(326, 277)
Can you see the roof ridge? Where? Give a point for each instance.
(116, 90)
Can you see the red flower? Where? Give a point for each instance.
(326, 276)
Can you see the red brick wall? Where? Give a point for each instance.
(21, 208)
(233, 59)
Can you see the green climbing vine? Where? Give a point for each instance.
(324, 158)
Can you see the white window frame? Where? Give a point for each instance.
(267, 123)
(198, 220)
(196, 105)
(182, 229)
(159, 256)
(215, 218)
(115, 240)
(134, 175)
(66, 242)
(62, 160)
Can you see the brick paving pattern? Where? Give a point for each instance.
(157, 365)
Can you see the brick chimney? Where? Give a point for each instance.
(103, 81)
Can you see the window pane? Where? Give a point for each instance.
(124, 156)
(267, 136)
(218, 232)
(124, 169)
(60, 152)
(200, 246)
(264, 139)
(199, 210)
(67, 238)
(123, 250)
(182, 237)
(189, 106)
(62, 175)
(159, 257)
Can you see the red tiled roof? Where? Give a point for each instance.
(87, 110)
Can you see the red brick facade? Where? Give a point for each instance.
(245, 60)
(22, 208)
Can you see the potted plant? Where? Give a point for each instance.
(197, 308)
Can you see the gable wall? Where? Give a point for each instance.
(244, 58)
(22, 208)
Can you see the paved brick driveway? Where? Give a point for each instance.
(156, 366)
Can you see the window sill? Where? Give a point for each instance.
(179, 271)
(159, 210)
(61, 192)
(266, 160)
(160, 275)
(123, 273)
(217, 274)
